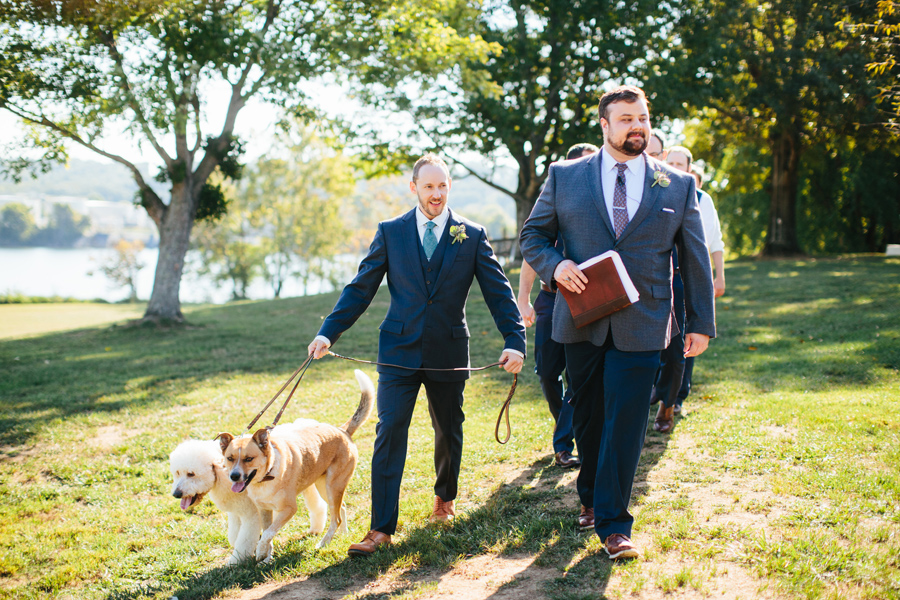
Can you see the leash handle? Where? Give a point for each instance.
(504, 412)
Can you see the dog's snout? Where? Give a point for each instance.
(177, 493)
(235, 475)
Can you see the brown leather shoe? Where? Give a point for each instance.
(665, 419)
(586, 519)
(566, 460)
(618, 545)
(443, 511)
(369, 544)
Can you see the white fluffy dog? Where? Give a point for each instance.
(198, 468)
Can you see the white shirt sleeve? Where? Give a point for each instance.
(711, 227)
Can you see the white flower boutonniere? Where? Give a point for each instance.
(458, 232)
(660, 178)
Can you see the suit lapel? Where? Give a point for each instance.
(648, 199)
(449, 253)
(410, 244)
(593, 166)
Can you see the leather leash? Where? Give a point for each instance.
(504, 410)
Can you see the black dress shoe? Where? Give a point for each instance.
(566, 460)
(665, 419)
(653, 397)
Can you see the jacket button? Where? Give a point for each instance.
(428, 282)
(429, 302)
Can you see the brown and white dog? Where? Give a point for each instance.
(274, 466)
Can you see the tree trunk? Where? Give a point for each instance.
(174, 241)
(781, 238)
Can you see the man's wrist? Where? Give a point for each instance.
(516, 352)
(322, 338)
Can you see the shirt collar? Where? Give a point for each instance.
(439, 220)
(608, 163)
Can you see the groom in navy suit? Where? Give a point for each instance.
(430, 256)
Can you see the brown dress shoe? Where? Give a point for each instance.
(566, 460)
(618, 545)
(443, 510)
(369, 544)
(586, 519)
(665, 419)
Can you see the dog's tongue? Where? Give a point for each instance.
(186, 502)
(238, 487)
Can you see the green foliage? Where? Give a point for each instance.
(780, 81)
(64, 228)
(122, 268)
(212, 203)
(16, 225)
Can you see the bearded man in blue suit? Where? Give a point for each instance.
(430, 256)
(619, 199)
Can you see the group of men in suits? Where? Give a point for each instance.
(618, 198)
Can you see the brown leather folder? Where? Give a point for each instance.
(604, 294)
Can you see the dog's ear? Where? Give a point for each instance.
(224, 440)
(261, 438)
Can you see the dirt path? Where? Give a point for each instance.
(657, 575)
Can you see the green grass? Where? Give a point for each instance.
(797, 401)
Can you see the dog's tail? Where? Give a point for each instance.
(366, 401)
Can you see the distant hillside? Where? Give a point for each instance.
(85, 178)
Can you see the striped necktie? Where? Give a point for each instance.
(429, 242)
(620, 208)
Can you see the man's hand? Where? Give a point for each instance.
(527, 311)
(695, 344)
(569, 276)
(719, 286)
(512, 362)
(318, 349)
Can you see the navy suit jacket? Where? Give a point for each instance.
(423, 329)
(572, 206)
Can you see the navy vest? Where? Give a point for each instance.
(431, 268)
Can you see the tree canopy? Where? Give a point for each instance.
(76, 70)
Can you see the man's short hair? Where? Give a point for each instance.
(697, 172)
(579, 150)
(623, 93)
(659, 136)
(430, 159)
(684, 151)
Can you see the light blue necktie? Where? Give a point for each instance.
(429, 242)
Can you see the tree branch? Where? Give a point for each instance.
(156, 208)
(475, 174)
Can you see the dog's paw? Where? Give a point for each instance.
(264, 551)
(315, 530)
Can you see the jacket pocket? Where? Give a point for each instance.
(391, 326)
(661, 291)
(460, 331)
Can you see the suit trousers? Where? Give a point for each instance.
(550, 362)
(396, 402)
(610, 392)
(672, 362)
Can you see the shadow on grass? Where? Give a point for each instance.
(533, 516)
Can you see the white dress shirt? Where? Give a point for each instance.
(440, 222)
(711, 226)
(634, 182)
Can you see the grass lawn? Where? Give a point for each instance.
(19, 320)
(784, 467)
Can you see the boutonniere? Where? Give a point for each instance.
(458, 232)
(660, 178)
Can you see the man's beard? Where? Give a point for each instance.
(631, 146)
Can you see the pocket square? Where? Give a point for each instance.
(669, 210)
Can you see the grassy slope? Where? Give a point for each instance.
(89, 417)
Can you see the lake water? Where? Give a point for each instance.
(52, 272)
